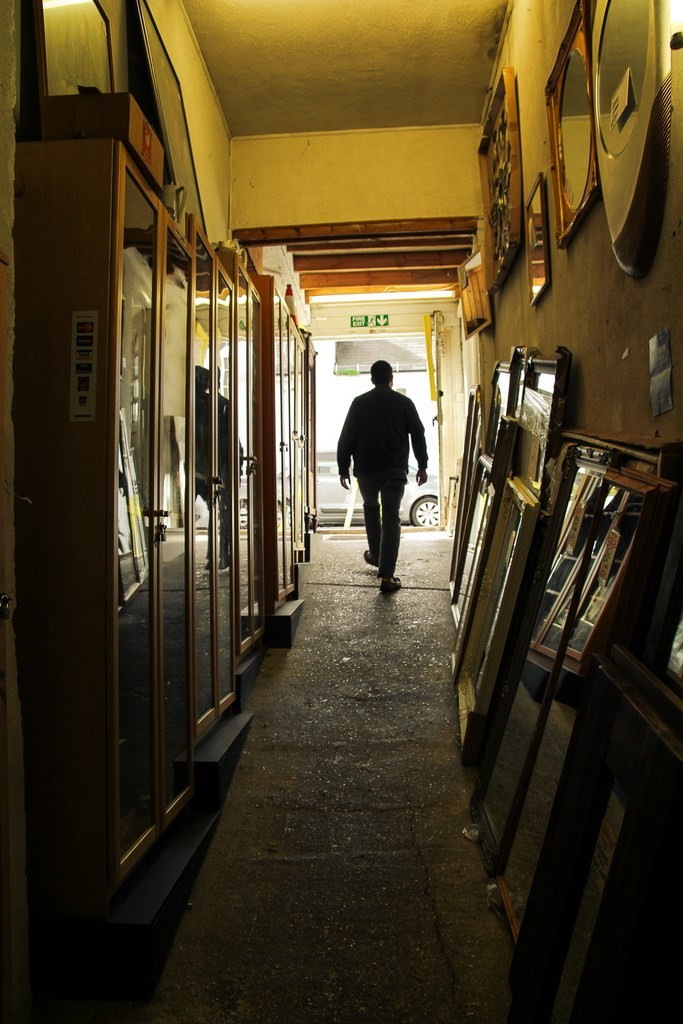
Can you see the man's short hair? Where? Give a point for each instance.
(381, 372)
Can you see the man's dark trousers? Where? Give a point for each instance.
(383, 529)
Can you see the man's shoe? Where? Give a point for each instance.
(389, 584)
(369, 559)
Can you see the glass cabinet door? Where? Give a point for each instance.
(248, 442)
(288, 450)
(172, 529)
(222, 495)
(281, 445)
(213, 512)
(255, 431)
(204, 509)
(154, 714)
(136, 775)
(299, 438)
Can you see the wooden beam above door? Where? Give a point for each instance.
(371, 255)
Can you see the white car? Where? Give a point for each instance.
(420, 506)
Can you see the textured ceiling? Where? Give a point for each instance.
(283, 66)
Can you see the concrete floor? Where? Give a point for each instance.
(339, 886)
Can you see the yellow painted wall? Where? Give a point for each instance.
(350, 176)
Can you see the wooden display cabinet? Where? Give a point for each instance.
(248, 470)
(214, 501)
(288, 367)
(278, 443)
(103, 519)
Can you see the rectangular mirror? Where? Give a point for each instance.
(537, 247)
(474, 299)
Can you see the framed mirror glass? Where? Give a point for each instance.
(537, 248)
(540, 414)
(496, 598)
(180, 167)
(569, 106)
(490, 487)
(631, 58)
(474, 299)
(468, 469)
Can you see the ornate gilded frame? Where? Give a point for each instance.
(500, 167)
(570, 209)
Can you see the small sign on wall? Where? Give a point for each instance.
(661, 397)
(371, 320)
(83, 365)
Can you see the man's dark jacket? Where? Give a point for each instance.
(376, 434)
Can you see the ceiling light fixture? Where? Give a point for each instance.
(337, 300)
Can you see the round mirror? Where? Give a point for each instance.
(621, 71)
(633, 107)
(575, 128)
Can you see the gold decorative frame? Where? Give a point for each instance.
(500, 166)
(570, 209)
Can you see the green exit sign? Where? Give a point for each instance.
(371, 320)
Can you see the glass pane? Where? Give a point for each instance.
(613, 555)
(244, 449)
(76, 48)
(135, 691)
(610, 513)
(589, 909)
(173, 505)
(287, 427)
(280, 460)
(255, 424)
(498, 591)
(575, 533)
(203, 504)
(224, 497)
(299, 480)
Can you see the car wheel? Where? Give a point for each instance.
(425, 511)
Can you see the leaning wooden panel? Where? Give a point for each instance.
(497, 596)
(595, 941)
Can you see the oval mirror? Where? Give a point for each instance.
(633, 104)
(569, 104)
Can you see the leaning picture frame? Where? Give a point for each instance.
(499, 591)
(594, 942)
(170, 105)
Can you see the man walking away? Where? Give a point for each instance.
(379, 428)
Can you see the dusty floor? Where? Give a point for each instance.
(339, 886)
